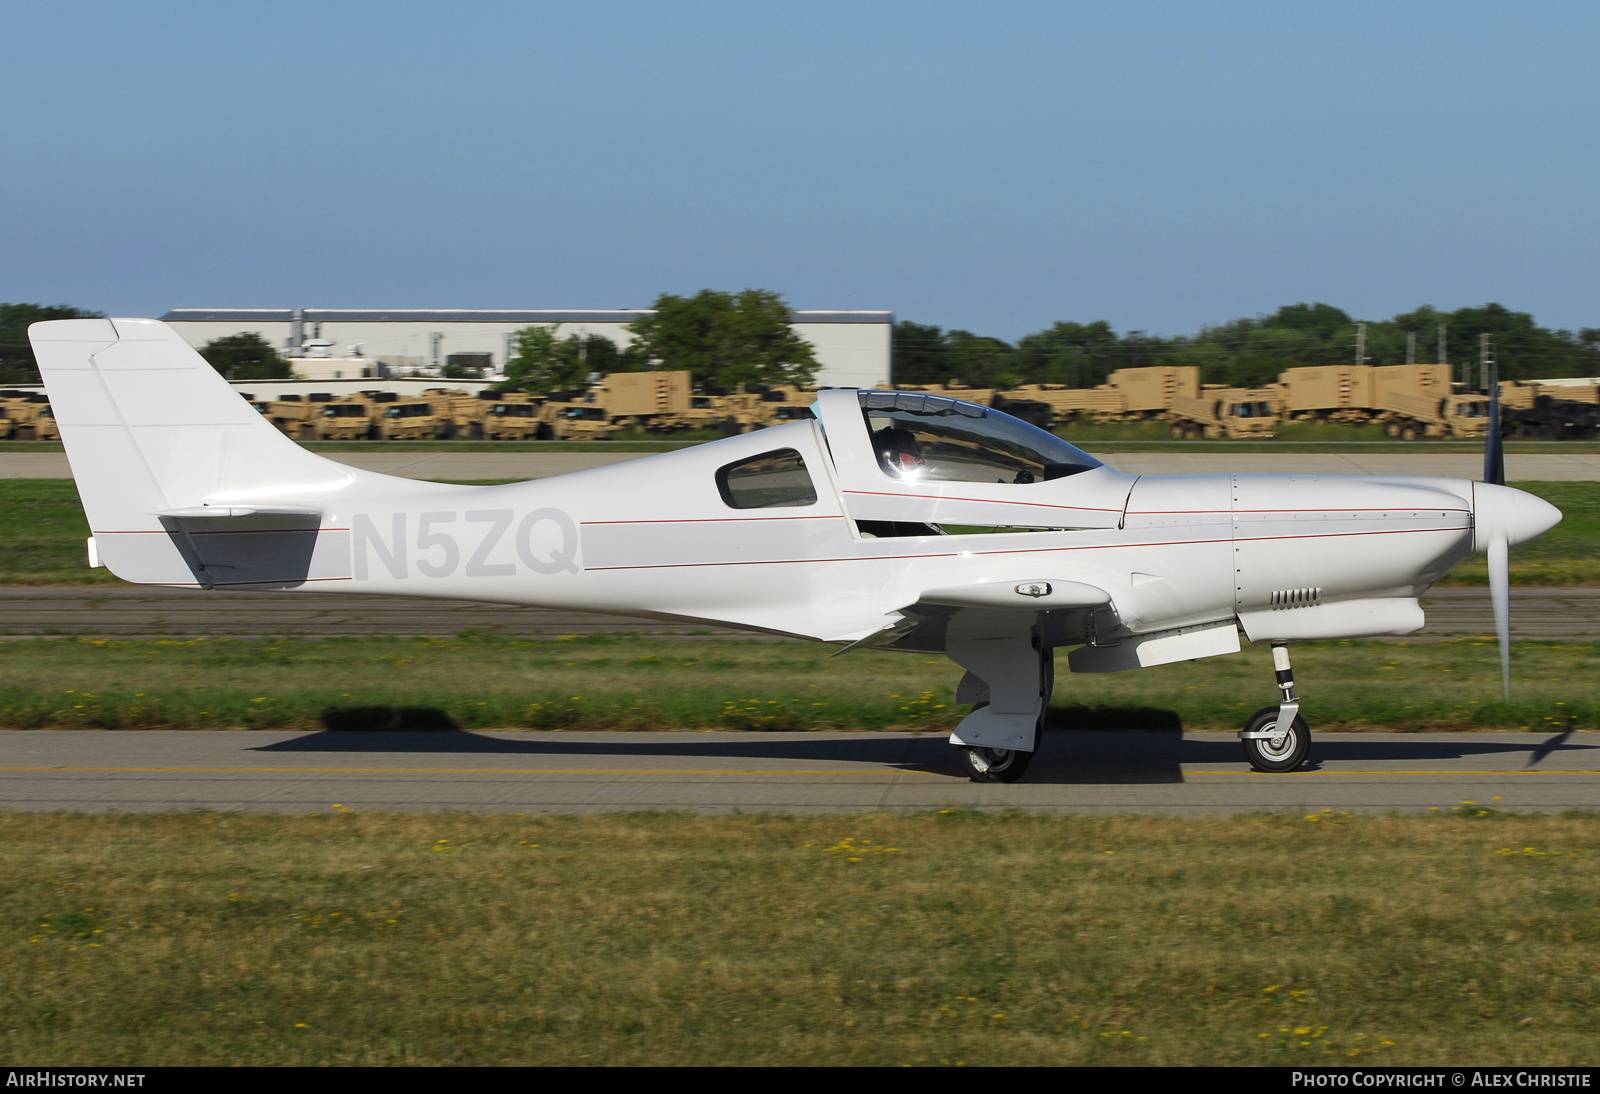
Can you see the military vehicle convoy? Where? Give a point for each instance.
(1410, 401)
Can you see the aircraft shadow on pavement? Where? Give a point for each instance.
(1138, 745)
(1114, 746)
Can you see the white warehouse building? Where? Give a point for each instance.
(852, 347)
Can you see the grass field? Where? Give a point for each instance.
(42, 538)
(950, 938)
(621, 682)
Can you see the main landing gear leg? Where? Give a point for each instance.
(1277, 738)
(1012, 696)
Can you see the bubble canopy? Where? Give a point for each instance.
(934, 438)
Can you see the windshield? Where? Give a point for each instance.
(935, 438)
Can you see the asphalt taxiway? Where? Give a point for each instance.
(125, 611)
(1082, 772)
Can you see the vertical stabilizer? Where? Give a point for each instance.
(150, 428)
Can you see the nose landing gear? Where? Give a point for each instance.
(1277, 738)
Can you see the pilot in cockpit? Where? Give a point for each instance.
(899, 454)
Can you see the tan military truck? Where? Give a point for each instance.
(1129, 394)
(343, 420)
(1420, 401)
(781, 404)
(1328, 393)
(642, 399)
(704, 413)
(26, 416)
(1219, 411)
(511, 419)
(305, 417)
(745, 410)
(408, 418)
(573, 420)
(1101, 404)
(1550, 409)
(293, 415)
(1150, 391)
(470, 414)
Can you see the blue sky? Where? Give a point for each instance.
(990, 166)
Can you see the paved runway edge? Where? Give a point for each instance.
(1134, 772)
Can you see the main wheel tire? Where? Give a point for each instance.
(1408, 432)
(1276, 754)
(995, 765)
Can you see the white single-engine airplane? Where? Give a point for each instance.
(895, 520)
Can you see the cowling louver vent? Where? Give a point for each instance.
(1295, 598)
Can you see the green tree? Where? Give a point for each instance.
(725, 339)
(245, 356)
(539, 366)
(917, 354)
(1074, 354)
(979, 361)
(1523, 349)
(595, 353)
(1321, 321)
(544, 362)
(17, 364)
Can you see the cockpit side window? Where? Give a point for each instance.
(920, 437)
(768, 481)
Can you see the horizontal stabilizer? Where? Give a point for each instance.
(214, 512)
(275, 549)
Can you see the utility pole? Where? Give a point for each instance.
(1361, 343)
(1483, 362)
(1411, 348)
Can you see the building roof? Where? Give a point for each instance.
(469, 315)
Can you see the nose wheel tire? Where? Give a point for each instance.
(1285, 752)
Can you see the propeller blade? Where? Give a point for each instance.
(1500, 597)
(1494, 455)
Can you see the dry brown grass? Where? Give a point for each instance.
(451, 939)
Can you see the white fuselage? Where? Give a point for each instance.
(653, 536)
